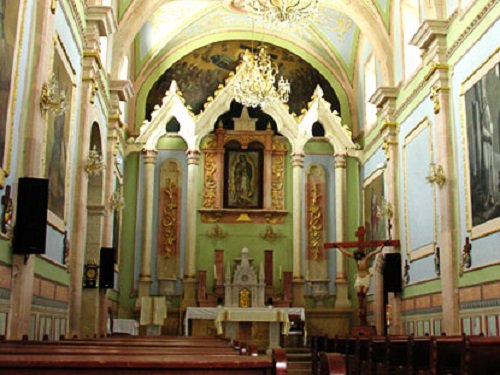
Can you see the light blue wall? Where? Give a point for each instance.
(484, 250)
(420, 196)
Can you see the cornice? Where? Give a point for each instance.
(123, 88)
(479, 17)
(428, 31)
(382, 95)
(104, 17)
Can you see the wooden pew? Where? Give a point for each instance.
(143, 356)
(447, 354)
(482, 355)
(332, 364)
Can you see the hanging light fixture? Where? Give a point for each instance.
(289, 13)
(255, 81)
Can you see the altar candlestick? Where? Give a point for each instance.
(215, 272)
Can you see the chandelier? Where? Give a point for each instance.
(95, 163)
(52, 98)
(255, 81)
(283, 12)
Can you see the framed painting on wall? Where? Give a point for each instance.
(373, 196)
(482, 124)
(57, 137)
(9, 11)
(243, 179)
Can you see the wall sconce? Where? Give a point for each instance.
(117, 201)
(94, 165)
(436, 175)
(52, 98)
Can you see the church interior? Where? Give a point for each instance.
(165, 159)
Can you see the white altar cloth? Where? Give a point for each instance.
(213, 312)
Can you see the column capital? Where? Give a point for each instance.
(297, 160)
(340, 161)
(193, 157)
(149, 156)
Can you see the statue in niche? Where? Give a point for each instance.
(242, 177)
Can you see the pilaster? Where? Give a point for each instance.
(149, 158)
(297, 191)
(431, 38)
(341, 283)
(189, 286)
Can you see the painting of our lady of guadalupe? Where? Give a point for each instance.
(244, 180)
(8, 29)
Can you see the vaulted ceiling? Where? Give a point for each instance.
(161, 32)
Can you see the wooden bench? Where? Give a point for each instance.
(482, 355)
(142, 356)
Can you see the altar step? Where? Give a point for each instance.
(299, 361)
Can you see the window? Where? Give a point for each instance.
(410, 22)
(370, 87)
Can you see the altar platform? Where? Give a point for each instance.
(260, 325)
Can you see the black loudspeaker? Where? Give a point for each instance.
(392, 273)
(107, 267)
(30, 230)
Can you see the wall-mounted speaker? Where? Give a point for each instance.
(392, 273)
(107, 267)
(30, 230)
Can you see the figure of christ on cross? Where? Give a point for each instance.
(363, 264)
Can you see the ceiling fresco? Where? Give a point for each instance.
(199, 73)
(169, 27)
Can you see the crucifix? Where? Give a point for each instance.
(363, 262)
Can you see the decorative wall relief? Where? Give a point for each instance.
(315, 213)
(209, 184)
(278, 175)
(169, 209)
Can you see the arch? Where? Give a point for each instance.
(365, 16)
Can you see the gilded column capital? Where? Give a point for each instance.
(149, 156)
(193, 157)
(340, 161)
(297, 160)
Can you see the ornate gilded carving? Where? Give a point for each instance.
(435, 98)
(277, 184)
(216, 233)
(315, 222)
(169, 218)
(269, 234)
(209, 187)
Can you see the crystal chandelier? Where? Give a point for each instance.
(283, 12)
(255, 81)
(95, 163)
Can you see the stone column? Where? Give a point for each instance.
(385, 100)
(431, 38)
(390, 134)
(149, 157)
(189, 297)
(23, 270)
(341, 300)
(297, 191)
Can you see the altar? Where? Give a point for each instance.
(260, 325)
